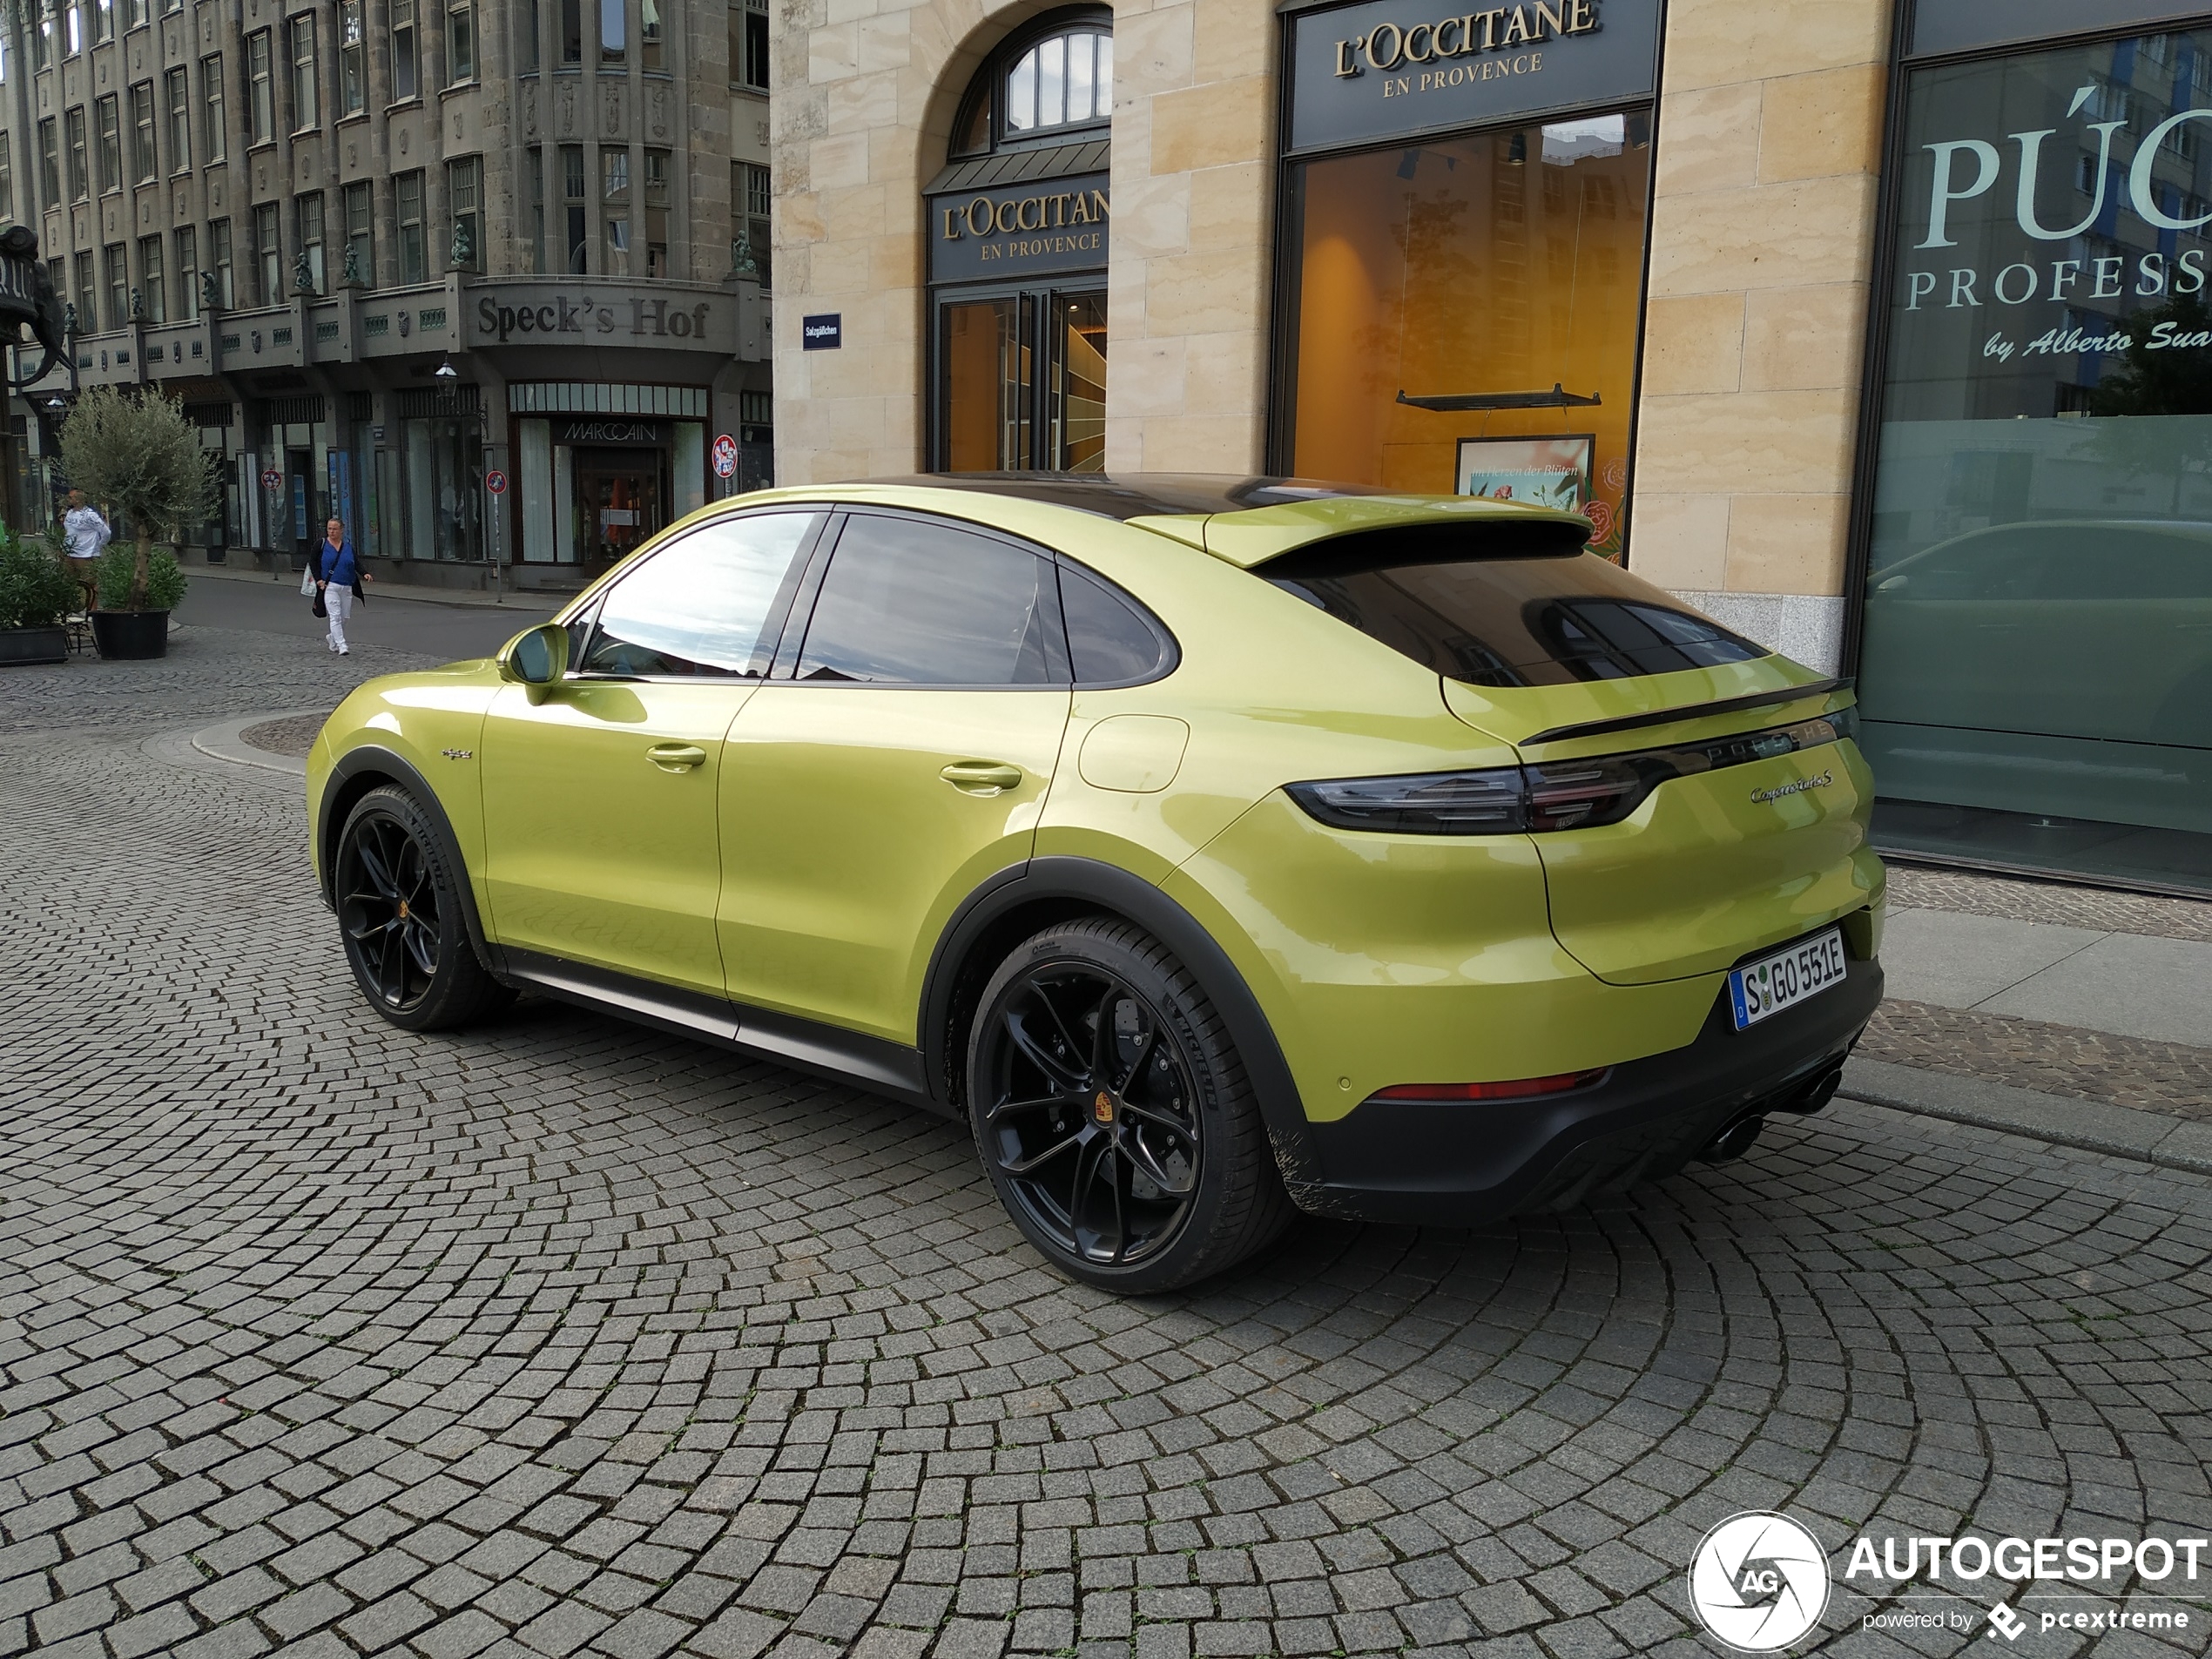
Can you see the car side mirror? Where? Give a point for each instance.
(537, 659)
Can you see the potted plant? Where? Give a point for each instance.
(35, 593)
(140, 458)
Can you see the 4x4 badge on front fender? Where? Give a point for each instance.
(1797, 788)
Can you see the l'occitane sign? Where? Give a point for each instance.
(1389, 46)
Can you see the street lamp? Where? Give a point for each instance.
(446, 371)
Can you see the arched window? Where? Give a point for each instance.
(1047, 82)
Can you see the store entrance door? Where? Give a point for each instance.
(996, 411)
(299, 485)
(621, 499)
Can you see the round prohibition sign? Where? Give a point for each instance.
(495, 482)
(725, 455)
(272, 480)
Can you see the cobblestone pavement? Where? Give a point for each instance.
(2174, 1078)
(1923, 887)
(562, 1337)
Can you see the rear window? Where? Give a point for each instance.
(1537, 612)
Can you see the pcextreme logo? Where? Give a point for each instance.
(1759, 1581)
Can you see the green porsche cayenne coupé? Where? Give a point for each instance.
(1215, 848)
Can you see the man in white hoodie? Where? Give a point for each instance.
(87, 533)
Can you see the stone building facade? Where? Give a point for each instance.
(388, 253)
(1823, 310)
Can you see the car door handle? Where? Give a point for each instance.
(982, 777)
(676, 757)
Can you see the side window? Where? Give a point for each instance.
(906, 602)
(1111, 641)
(700, 606)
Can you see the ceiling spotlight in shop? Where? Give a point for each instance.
(1517, 150)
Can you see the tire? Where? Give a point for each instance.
(399, 905)
(1113, 1115)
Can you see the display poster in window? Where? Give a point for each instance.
(1542, 472)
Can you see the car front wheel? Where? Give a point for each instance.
(1114, 1115)
(399, 909)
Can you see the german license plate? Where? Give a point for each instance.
(1786, 978)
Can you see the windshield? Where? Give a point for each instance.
(1516, 620)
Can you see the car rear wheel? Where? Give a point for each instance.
(399, 909)
(1114, 1115)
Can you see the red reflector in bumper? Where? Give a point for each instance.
(1518, 1088)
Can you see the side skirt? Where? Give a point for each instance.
(808, 1045)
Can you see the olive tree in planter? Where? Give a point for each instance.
(35, 593)
(138, 455)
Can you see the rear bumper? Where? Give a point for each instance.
(1462, 1164)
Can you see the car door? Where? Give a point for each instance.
(901, 755)
(601, 843)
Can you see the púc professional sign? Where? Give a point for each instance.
(1037, 228)
(1390, 69)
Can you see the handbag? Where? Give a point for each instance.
(321, 610)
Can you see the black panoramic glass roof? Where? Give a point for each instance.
(1140, 495)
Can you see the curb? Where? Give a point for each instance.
(517, 599)
(221, 743)
(2092, 1126)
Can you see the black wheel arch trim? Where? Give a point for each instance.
(1088, 882)
(397, 769)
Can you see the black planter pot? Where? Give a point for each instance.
(33, 645)
(131, 633)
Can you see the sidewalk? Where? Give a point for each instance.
(520, 599)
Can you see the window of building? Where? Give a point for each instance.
(536, 163)
(145, 164)
(461, 41)
(5, 65)
(652, 44)
(169, 8)
(153, 282)
(211, 91)
(268, 251)
(614, 31)
(464, 196)
(115, 261)
(261, 102)
(176, 89)
(219, 254)
(526, 49)
(352, 59)
(140, 14)
(103, 22)
(184, 282)
(657, 166)
(42, 36)
(305, 109)
(7, 179)
(88, 293)
(361, 232)
(49, 163)
(1036, 85)
(572, 32)
(750, 195)
(108, 113)
(79, 174)
(406, 208)
(614, 212)
(405, 44)
(73, 38)
(576, 209)
(749, 50)
(307, 220)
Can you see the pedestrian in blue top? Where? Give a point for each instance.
(339, 577)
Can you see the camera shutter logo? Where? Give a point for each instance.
(1759, 1581)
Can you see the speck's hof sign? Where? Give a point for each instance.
(1037, 228)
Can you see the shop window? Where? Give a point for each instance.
(305, 108)
(107, 114)
(614, 212)
(444, 462)
(261, 102)
(464, 195)
(176, 93)
(1529, 391)
(79, 177)
(307, 221)
(652, 41)
(614, 31)
(210, 93)
(657, 165)
(406, 209)
(115, 267)
(352, 59)
(185, 279)
(87, 290)
(153, 282)
(145, 166)
(461, 41)
(2035, 655)
(268, 251)
(218, 254)
(405, 50)
(49, 163)
(360, 233)
(576, 209)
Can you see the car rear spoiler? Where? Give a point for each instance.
(1692, 711)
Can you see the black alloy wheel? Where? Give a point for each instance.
(399, 910)
(1112, 1114)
